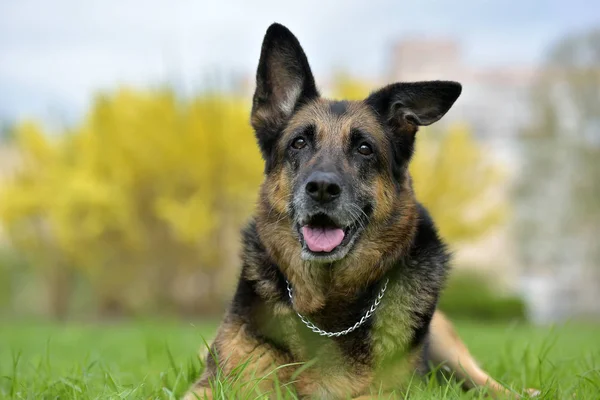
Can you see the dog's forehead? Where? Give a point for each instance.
(334, 120)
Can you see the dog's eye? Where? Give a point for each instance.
(365, 149)
(299, 143)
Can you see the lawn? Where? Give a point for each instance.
(148, 360)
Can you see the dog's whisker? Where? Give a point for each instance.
(358, 216)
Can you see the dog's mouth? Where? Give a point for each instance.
(322, 237)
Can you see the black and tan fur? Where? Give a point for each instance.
(390, 236)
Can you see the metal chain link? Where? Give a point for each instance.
(365, 317)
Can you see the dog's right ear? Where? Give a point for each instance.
(284, 81)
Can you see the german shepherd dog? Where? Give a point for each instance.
(341, 266)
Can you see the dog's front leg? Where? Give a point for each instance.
(239, 356)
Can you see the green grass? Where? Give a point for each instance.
(158, 360)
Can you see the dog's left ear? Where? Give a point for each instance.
(283, 82)
(415, 103)
(404, 107)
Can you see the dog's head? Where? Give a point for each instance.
(334, 169)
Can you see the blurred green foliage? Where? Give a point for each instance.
(471, 295)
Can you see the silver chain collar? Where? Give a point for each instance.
(364, 318)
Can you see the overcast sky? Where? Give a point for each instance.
(54, 55)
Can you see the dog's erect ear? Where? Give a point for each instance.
(283, 82)
(406, 106)
(417, 103)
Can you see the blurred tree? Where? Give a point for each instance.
(458, 183)
(143, 196)
(558, 222)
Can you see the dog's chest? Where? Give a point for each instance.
(395, 359)
(377, 354)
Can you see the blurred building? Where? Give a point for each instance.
(496, 103)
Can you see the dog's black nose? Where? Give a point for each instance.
(323, 187)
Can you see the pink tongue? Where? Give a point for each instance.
(322, 239)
